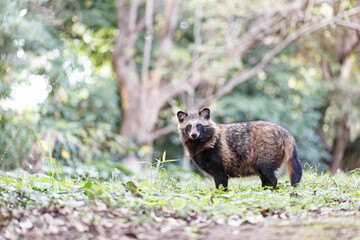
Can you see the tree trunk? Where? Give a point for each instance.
(130, 100)
(352, 156)
(140, 98)
(339, 146)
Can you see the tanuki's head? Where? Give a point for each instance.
(196, 125)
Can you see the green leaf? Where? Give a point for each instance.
(130, 186)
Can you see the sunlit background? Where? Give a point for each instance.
(107, 90)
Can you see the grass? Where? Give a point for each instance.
(55, 169)
(175, 194)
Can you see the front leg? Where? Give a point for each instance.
(221, 178)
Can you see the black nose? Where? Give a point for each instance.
(193, 135)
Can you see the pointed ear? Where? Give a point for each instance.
(205, 113)
(181, 116)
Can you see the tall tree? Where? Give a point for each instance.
(166, 49)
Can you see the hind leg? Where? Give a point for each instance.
(268, 178)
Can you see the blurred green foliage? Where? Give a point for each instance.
(69, 45)
(22, 54)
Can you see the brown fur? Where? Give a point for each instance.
(239, 149)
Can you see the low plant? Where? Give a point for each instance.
(54, 167)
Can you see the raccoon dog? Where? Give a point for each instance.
(240, 149)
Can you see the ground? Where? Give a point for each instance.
(320, 227)
(178, 205)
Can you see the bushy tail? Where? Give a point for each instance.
(293, 164)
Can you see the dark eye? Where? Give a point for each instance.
(199, 125)
(188, 128)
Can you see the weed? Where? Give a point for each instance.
(54, 167)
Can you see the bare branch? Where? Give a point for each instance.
(142, 21)
(168, 31)
(305, 30)
(133, 15)
(197, 29)
(264, 25)
(309, 7)
(166, 37)
(187, 80)
(126, 23)
(193, 76)
(347, 24)
(148, 40)
(163, 132)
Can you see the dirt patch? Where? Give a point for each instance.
(327, 227)
(96, 222)
(101, 222)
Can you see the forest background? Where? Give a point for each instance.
(106, 78)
